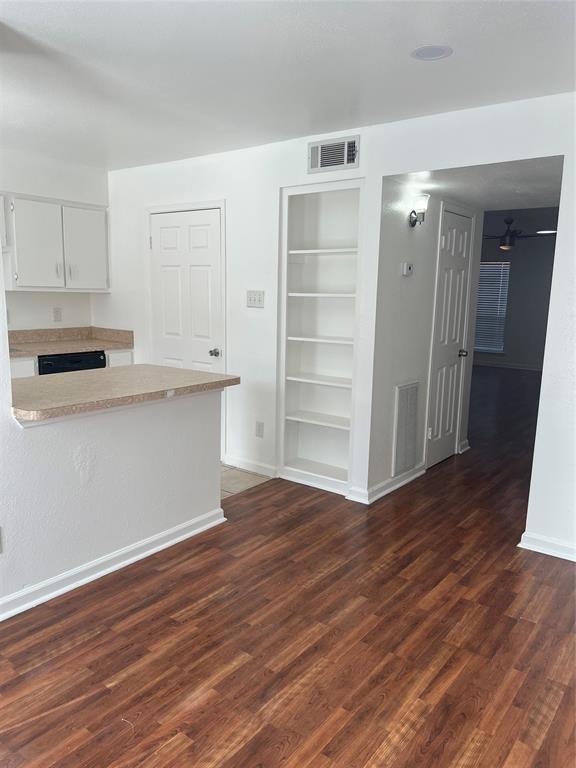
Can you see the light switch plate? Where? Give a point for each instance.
(255, 299)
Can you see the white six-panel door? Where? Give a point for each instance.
(187, 305)
(448, 343)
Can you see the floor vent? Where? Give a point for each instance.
(332, 155)
(405, 428)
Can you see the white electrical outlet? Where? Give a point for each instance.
(57, 314)
(259, 431)
(255, 299)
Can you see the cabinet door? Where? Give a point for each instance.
(85, 248)
(38, 244)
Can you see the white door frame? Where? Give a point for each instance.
(185, 208)
(446, 205)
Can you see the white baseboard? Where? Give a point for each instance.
(314, 481)
(57, 585)
(463, 446)
(376, 492)
(250, 466)
(547, 545)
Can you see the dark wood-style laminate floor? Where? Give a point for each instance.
(311, 631)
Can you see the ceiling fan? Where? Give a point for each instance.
(508, 239)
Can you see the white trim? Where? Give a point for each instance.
(463, 446)
(267, 470)
(547, 545)
(314, 481)
(375, 492)
(57, 585)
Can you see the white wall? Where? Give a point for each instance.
(103, 488)
(249, 181)
(531, 263)
(404, 322)
(28, 174)
(551, 521)
(35, 310)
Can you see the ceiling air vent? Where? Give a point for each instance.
(331, 155)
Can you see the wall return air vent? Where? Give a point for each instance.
(332, 155)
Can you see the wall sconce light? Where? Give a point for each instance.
(418, 213)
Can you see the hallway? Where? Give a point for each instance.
(310, 631)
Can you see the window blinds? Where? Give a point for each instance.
(492, 303)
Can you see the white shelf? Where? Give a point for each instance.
(319, 295)
(320, 419)
(316, 378)
(323, 339)
(318, 469)
(319, 301)
(320, 251)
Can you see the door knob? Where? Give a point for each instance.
(214, 352)
(462, 353)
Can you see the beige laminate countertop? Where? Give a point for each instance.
(38, 398)
(35, 348)
(69, 340)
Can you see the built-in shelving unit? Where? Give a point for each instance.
(320, 255)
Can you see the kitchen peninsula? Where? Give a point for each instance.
(124, 462)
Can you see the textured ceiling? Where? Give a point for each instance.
(115, 84)
(531, 183)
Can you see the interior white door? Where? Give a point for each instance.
(85, 248)
(38, 244)
(187, 305)
(448, 352)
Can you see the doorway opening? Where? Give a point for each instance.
(485, 248)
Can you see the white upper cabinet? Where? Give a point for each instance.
(54, 246)
(85, 248)
(38, 251)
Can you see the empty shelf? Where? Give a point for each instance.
(320, 251)
(316, 378)
(318, 468)
(322, 295)
(323, 339)
(319, 419)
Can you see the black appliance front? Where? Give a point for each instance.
(80, 361)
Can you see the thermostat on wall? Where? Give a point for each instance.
(407, 269)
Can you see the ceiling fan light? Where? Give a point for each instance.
(546, 232)
(505, 246)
